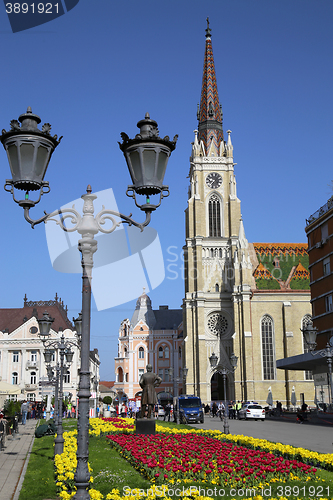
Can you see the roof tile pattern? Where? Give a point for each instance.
(210, 116)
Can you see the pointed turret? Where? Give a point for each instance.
(210, 112)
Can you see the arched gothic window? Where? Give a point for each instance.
(166, 353)
(160, 352)
(14, 378)
(306, 320)
(214, 216)
(141, 353)
(267, 343)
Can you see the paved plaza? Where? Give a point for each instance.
(308, 435)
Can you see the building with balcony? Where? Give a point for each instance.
(319, 230)
(21, 350)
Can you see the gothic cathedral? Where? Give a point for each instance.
(247, 299)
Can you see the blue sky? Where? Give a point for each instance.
(97, 70)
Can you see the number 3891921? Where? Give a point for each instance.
(32, 8)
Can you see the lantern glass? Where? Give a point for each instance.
(213, 359)
(233, 360)
(162, 165)
(310, 335)
(45, 325)
(149, 161)
(78, 325)
(13, 159)
(69, 356)
(48, 356)
(135, 163)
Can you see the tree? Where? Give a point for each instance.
(107, 400)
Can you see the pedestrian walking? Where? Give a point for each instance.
(24, 411)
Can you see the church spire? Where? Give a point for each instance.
(210, 112)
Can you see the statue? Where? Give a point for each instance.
(148, 382)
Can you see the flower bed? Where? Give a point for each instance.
(323, 460)
(198, 458)
(100, 426)
(208, 458)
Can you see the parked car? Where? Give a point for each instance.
(161, 411)
(189, 409)
(253, 411)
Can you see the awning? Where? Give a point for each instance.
(306, 361)
(6, 388)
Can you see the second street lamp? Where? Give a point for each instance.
(63, 347)
(310, 335)
(29, 150)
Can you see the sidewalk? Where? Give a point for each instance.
(14, 460)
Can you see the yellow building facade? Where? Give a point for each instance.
(242, 298)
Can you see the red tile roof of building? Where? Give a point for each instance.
(11, 319)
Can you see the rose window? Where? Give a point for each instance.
(217, 324)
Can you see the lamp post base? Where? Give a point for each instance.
(226, 426)
(145, 426)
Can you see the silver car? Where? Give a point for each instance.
(252, 411)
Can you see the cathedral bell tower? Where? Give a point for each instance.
(217, 263)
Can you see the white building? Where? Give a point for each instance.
(21, 351)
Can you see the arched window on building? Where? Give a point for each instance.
(167, 353)
(267, 343)
(306, 320)
(160, 352)
(120, 375)
(217, 288)
(67, 377)
(214, 216)
(33, 378)
(14, 378)
(141, 353)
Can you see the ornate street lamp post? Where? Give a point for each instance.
(63, 346)
(213, 359)
(310, 335)
(29, 150)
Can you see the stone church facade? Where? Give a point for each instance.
(250, 299)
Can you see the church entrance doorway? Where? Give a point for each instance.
(217, 387)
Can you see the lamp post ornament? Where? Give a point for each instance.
(29, 150)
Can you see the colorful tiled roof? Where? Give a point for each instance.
(262, 272)
(283, 248)
(283, 265)
(300, 272)
(210, 113)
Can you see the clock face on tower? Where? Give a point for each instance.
(214, 180)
